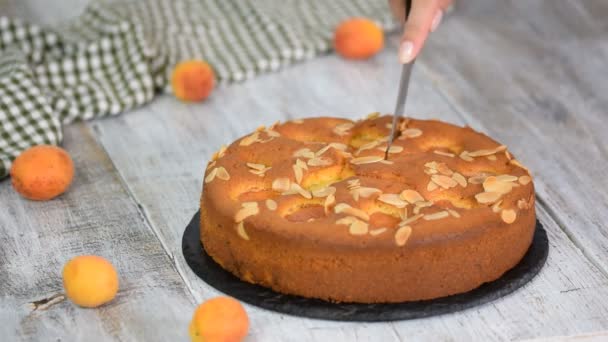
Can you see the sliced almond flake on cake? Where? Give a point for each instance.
(491, 157)
(487, 152)
(222, 173)
(366, 160)
(281, 184)
(445, 154)
(524, 180)
(522, 204)
(436, 216)
(372, 116)
(358, 228)
(329, 201)
(411, 132)
(324, 192)
(477, 179)
(256, 166)
(301, 164)
(297, 121)
(297, 171)
(492, 184)
(496, 207)
(352, 183)
(392, 149)
(342, 129)
(420, 205)
(411, 219)
(347, 209)
(387, 162)
(211, 175)
(459, 179)
(506, 178)
(297, 189)
(322, 150)
(487, 197)
(411, 196)
(220, 153)
(431, 186)
(508, 155)
(464, 155)
(444, 169)
(250, 139)
(444, 181)
(364, 192)
(454, 213)
(393, 199)
(377, 231)
(367, 146)
(508, 216)
(320, 161)
(247, 209)
(272, 133)
(304, 152)
(347, 220)
(271, 204)
(240, 229)
(402, 235)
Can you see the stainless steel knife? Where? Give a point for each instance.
(404, 82)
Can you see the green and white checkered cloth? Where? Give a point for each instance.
(117, 56)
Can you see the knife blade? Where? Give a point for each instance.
(404, 82)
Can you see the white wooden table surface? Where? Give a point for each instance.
(533, 74)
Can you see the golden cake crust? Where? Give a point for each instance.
(311, 208)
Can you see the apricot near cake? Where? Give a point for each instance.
(312, 208)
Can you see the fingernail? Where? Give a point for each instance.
(436, 20)
(405, 52)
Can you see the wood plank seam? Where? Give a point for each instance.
(469, 119)
(142, 212)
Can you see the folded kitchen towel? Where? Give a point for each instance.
(118, 55)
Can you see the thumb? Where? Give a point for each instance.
(417, 28)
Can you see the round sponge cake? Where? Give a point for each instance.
(312, 208)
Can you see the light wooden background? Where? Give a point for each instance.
(533, 74)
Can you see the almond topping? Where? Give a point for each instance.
(342, 129)
(320, 162)
(347, 209)
(411, 219)
(444, 169)
(347, 220)
(491, 157)
(508, 215)
(281, 184)
(459, 179)
(465, 156)
(250, 139)
(324, 192)
(240, 229)
(376, 232)
(402, 235)
(496, 207)
(255, 166)
(366, 192)
(392, 149)
(367, 146)
(506, 178)
(358, 228)
(298, 173)
(222, 173)
(271, 204)
(478, 179)
(297, 189)
(522, 204)
(518, 164)
(329, 201)
(436, 216)
(372, 116)
(411, 132)
(454, 213)
(445, 154)
(298, 121)
(492, 184)
(247, 209)
(366, 160)
(211, 175)
(392, 199)
(524, 180)
(432, 186)
(411, 196)
(301, 164)
(487, 197)
(304, 152)
(487, 152)
(444, 181)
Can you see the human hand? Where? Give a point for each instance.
(424, 17)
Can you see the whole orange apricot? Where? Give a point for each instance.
(358, 38)
(192, 80)
(42, 172)
(90, 281)
(220, 319)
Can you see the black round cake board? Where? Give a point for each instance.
(213, 274)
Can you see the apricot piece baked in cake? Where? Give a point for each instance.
(311, 208)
